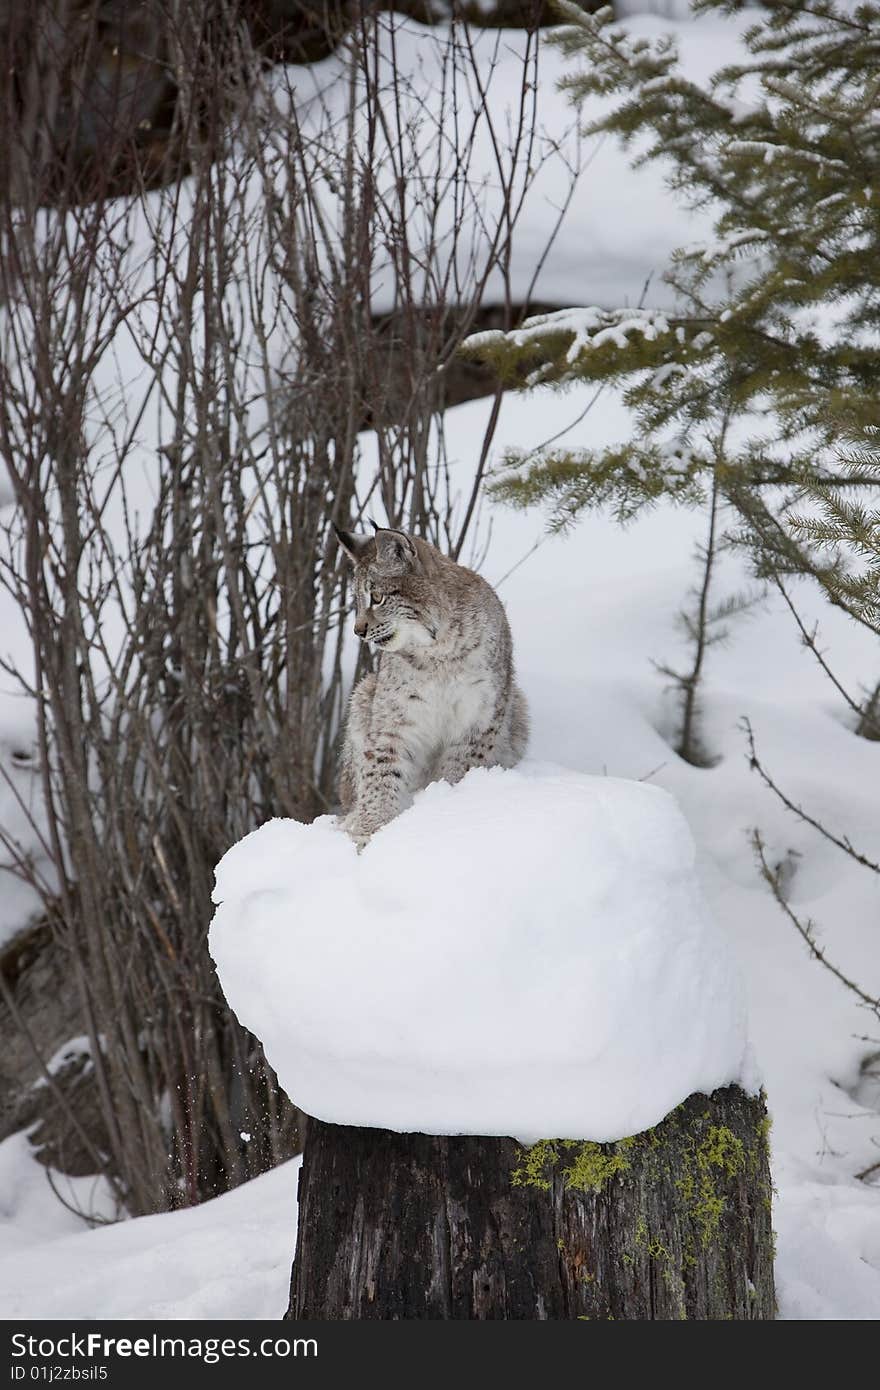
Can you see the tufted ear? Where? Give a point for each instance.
(354, 546)
(395, 548)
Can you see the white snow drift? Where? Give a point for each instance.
(526, 953)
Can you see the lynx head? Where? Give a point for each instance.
(396, 607)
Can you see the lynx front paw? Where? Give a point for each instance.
(356, 831)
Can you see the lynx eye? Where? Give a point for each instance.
(377, 599)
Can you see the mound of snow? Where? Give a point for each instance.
(525, 953)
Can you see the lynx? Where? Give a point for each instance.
(444, 698)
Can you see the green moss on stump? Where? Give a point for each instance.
(674, 1203)
(591, 1168)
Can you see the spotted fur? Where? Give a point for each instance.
(444, 698)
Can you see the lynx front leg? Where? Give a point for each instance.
(380, 765)
(476, 749)
(384, 786)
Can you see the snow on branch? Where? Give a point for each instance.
(557, 343)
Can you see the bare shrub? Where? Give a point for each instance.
(185, 376)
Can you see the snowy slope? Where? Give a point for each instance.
(229, 1258)
(620, 227)
(590, 612)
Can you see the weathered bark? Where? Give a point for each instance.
(673, 1223)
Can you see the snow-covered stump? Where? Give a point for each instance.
(672, 1224)
(528, 954)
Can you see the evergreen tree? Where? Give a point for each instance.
(762, 388)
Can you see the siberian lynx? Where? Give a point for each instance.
(444, 698)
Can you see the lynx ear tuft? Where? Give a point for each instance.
(354, 546)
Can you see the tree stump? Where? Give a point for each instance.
(672, 1223)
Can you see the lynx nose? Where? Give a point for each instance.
(360, 627)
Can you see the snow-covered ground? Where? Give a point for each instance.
(590, 612)
(229, 1258)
